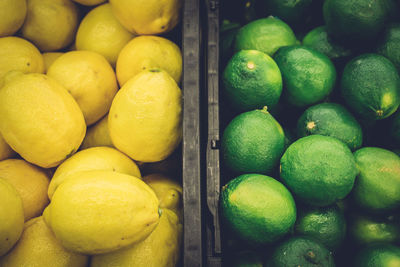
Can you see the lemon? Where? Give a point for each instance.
(89, 78)
(89, 2)
(31, 183)
(11, 216)
(50, 24)
(168, 191)
(19, 54)
(95, 158)
(39, 247)
(12, 16)
(147, 17)
(147, 52)
(160, 249)
(145, 117)
(98, 135)
(101, 32)
(49, 58)
(39, 119)
(102, 211)
(5, 150)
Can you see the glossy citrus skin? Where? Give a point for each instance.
(377, 185)
(258, 208)
(308, 75)
(389, 44)
(289, 11)
(331, 119)
(300, 251)
(362, 88)
(318, 39)
(12, 16)
(354, 20)
(266, 35)
(252, 80)
(384, 255)
(253, 142)
(318, 169)
(30, 181)
(367, 230)
(39, 119)
(39, 247)
(326, 225)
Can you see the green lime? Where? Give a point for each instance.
(395, 130)
(377, 187)
(355, 20)
(367, 230)
(266, 35)
(289, 11)
(319, 170)
(318, 39)
(247, 258)
(378, 255)
(389, 44)
(228, 33)
(300, 251)
(253, 142)
(308, 75)
(331, 119)
(326, 225)
(371, 86)
(258, 208)
(252, 80)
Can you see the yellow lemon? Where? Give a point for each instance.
(19, 54)
(11, 216)
(148, 52)
(102, 211)
(12, 16)
(145, 119)
(168, 191)
(89, 78)
(49, 58)
(39, 247)
(39, 119)
(147, 17)
(5, 150)
(50, 24)
(95, 158)
(98, 135)
(89, 2)
(160, 249)
(31, 183)
(101, 32)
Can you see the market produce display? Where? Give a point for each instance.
(90, 100)
(310, 131)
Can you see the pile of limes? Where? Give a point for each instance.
(90, 102)
(311, 128)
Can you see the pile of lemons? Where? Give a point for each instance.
(89, 101)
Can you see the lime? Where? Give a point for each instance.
(354, 20)
(258, 208)
(288, 11)
(333, 120)
(367, 230)
(318, 169)
(377, 185)
(389, 44)
(325, 224)
(318, 39)
(252, 80)
(300, 251)
(382, 255)
(266, 35)
(371, 86)
(308, 75)
(253, 142)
